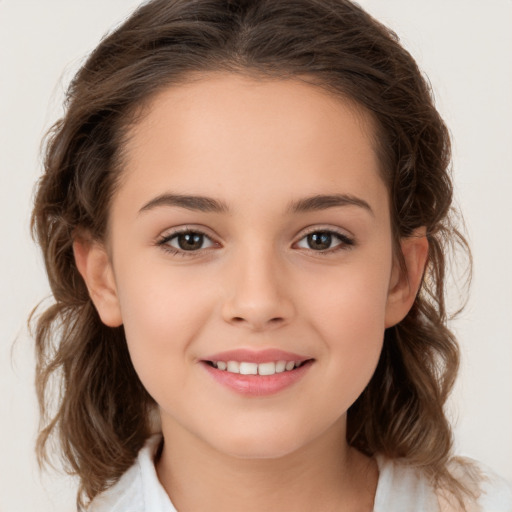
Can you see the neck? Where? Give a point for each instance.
(325, 475)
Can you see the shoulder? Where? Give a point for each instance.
(125, 495)
(492, 492)
(138, 490)
(403, 488)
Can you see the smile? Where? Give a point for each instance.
(257, 373)
(250, 368)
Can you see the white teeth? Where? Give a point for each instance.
(233, 366)
(246, 368)
(280, 366)
(267, 368)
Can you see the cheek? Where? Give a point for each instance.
(157, 301)
(350, 301)
(348, 314)
(355, 330)
(162, 316)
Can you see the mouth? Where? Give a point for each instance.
(250, 373)
(252, 368)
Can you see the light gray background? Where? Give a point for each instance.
(464, 46)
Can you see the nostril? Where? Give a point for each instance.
(275, 320)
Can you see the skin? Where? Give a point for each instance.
(256, 147)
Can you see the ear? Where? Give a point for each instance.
(405, 282)
(93, 263)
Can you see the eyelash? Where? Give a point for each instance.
(163, 242)
(345, 242)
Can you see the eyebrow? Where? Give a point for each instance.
(323, 202)
(195, 203)
(211, 205)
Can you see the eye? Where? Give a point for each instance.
(186, 241)
(324, 240)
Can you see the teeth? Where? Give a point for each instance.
(280, 366)
(233, 367)
(267, 368)
(246, 368)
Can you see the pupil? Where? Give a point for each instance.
(320, 240)
(190, 241)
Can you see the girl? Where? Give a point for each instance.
(245, 218)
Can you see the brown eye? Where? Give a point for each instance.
(324, 240)
(319, 241)
(189, 241)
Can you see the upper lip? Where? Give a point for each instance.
(256, 356)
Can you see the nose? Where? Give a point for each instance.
(257, 295)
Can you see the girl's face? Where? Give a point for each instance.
(251, 230)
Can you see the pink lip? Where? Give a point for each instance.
(256, 356)
(257, 385)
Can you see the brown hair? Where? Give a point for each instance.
(101, 417)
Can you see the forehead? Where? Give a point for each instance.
(225, 133)
(243, 100)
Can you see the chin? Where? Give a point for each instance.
(253, 451)
(263, 444)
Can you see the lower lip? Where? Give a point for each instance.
(258, 385)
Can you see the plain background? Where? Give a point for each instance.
(464, 46)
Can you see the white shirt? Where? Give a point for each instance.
(400, 489)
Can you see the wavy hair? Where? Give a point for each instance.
(101, 416)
